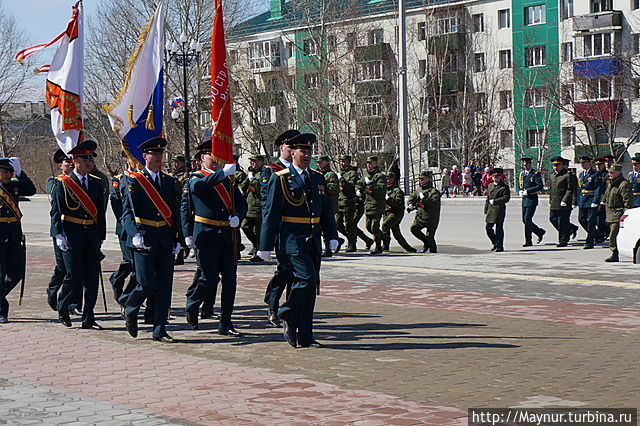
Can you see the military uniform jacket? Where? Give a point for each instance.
(562, 189)
(66, 211)
(22, 185)
(137, 207)
(332, 186)
(374, 192)
(265, 176)
(617, 198)
(428, 207)
(210, 223)
(240, 177)
(294, 216)
(395, 201)
(115, 197)
(500, 194)
(348, 181)
(589, 188)
(252, 190)
(634, 180)
(532, 183)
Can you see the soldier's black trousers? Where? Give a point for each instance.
(82, 263)
(529, 226)
(497, 236)
(11, 267)
(588, 218)
(125, 269)
(282, 277)
(210, 299)
(602, 225)
(560, 220)
(59, 272)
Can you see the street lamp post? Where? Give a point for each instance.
(184, 54)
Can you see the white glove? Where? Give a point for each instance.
(333, 245)
(264, 255)
(234, 221)
(386, 196)
(563, 204)
(15, 163)
(189, 242)
(524, 192)
(367, 180)
(602, 203)
(250, 175)
(573, 206)
(520, 192)
(358, 193)
(61, 241)
(492, 201)
(138, 242)
(176, 249)
(594, 205)
(339, 175)
(421, 195)
(229, 169)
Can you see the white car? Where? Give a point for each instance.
(629, 236)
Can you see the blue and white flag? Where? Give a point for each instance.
(136, 113)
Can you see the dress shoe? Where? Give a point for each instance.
(256, 258)
(612, 258)
(64, 319)
(499, 249)
(3, 319)
(209, 315)
(75, 311)
(351, 248)
(368, 244)
(493, 248)
(192, 320)
(122, 312)
(587, 246)
(410, 250)
(433, 250)
(377, 249)
(164, 339)
(131, 325)
(326, 253)
(252, 252)
(52, 300)
(424, 249)
(541, 235)
(229, 332)
(312, 344)
(574, 233)
(290, 334)
(273, 319)
(340, 243)
(561, 245)
(527, 244)
(93, 326)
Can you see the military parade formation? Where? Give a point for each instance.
(284, 207)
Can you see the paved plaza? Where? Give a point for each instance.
(408, 339)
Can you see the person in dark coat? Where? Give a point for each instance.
(495, 208)
(530, 184)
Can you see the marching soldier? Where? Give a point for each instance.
(530, 185)
(618, 198)
(589, 187)
(426, 202)
(345, 215)
(12, 244)
(79, 227)
(634, 179)
(179, 172)
(573, 229)
(251, 190)
(217, 212)
(360, 198)
(333, 191)
(151, 220)
(75, 307)
(374, 188)
(601, 220)
(297, 212)
(495, 208)
(561, 195)
(394, 212)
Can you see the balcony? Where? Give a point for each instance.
(373, 52)
(266, 56)
(598, 110)
(374, 88)
(597, 68)
(445, 43)
(265, 99)
(447, 83)
(596, 21)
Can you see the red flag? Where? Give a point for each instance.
(222, 132)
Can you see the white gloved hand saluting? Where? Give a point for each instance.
(234, 221)
(492, 201)
(15, 163)
(563, 204)
(229, 169)
(61, 242)
(138, 242)
(367, 180)
(333, 245)
(263, 254)
(176, 249)
(189, 242)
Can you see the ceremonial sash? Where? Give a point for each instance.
(153, 195)
(9, 201)
(222, 192)
(81, 194)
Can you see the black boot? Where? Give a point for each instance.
(340, 243)
(377, 249)
(326, 253)
(613, 257)
(386, 240)
(351, 248)
(368, 243)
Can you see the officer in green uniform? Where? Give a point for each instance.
(601, 221)
(151, 219)
(634, 180)
(561, 193)
(618, 198)
(333, 191)
(495, 208)
(79, 227)
(589, 194)
(297, 211)
(214, 220)
(345, 215)
(394, 212)
(426, 201)
(251, 190)
(359, 212)
(530, 185)
(12, 248)
(373, 186)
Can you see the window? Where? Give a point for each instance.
(566, 93)
(376, 36)
(598, 88)
(568, 136)
(636, 43)
(506, 99)
(534, 97)
(445, 23)
(478, 23)
(311, 81)
(264, 55)
(439, 104)
(290, 49)
(635, 4)
(267, 115)
(422, 31)
(504, 18)
(597, 44)
(506, 139)
(370, 144)
(309, 47)
(332, 43)
(535, 14)
(373, 70)
(334, 79)
(271, 84)
(566, 9)
(445, 139)
(567, 52)
(601, 5)
(422, 68)
(313, 114)
(351, 41)
(481, 101)
(371, 107)
(451, 63)
(535, 138)
(534, 56)
(478, 62)
(505, 59)
(635, 87)
(600, 136)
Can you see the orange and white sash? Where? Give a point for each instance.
(153, 195)
(222, 192)
(86, 201)
(9, 201)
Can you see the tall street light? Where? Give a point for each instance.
(184, 54)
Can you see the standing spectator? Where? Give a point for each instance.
(617, 199)
(495, 208)
(477, 182)
(467, 182)
(472, 170)
(486, 179)
(445, 183)
(455, 179)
